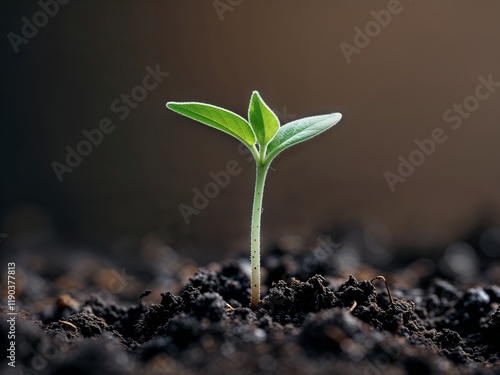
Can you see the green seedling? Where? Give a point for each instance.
(266, 139)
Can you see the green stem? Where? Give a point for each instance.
(255, 231)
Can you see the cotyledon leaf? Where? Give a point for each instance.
(299, 131)
(216, 117)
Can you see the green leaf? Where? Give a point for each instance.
(216, 117)
(264, 122)
(299, 131)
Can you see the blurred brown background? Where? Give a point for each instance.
(396, 89)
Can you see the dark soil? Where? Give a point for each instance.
(77, 316)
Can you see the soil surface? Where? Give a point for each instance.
(161, 314)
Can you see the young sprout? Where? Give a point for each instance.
(265, 138)
(386, 287)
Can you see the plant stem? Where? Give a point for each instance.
(255, 231)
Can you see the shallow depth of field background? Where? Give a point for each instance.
(395, 90)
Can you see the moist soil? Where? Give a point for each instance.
(87, 314)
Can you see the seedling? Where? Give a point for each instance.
(266, 139)
(69, 324)
(386, 287)
(353, 306)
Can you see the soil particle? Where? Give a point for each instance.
(210, 306)
(231, 283)
(119, 317)
(289, 303)
(102, 356)
(337, 332)
(89, 325)
(352, 290)
(319, 324)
